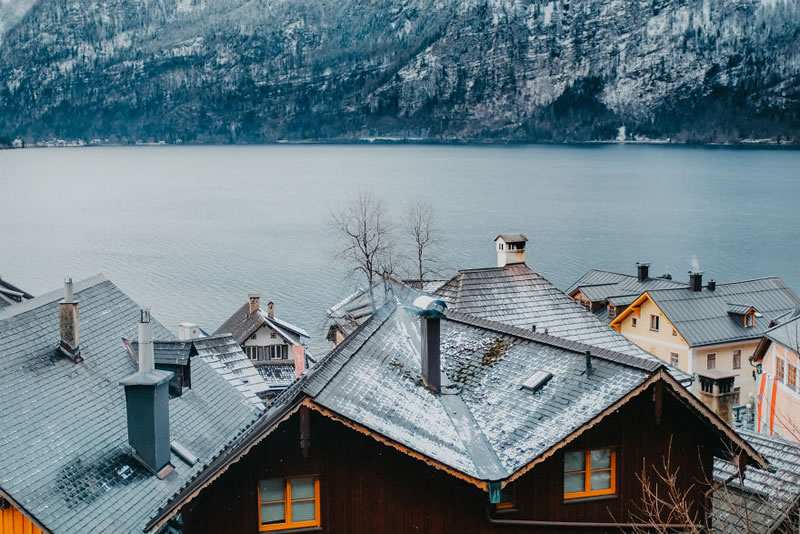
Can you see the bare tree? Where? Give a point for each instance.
(364, 224)
(423, 232)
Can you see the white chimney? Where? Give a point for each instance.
(188, 331)
(510, 249)
(69, 324)
(147, 360)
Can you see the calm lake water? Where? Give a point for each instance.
(190, 231)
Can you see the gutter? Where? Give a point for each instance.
(585, 524)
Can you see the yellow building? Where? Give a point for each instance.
(713, 328)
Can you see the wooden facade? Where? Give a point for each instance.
(13, 522)
(367, 487)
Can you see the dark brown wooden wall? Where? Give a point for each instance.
(367, 487)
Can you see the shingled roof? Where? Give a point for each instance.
(706, 317)
(761, 502)
(519, 296)
(11, 294)
(484, 426)
(64, 454)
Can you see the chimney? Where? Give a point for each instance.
(147, 402)
(299, 355)
(712, 285)
(510, 249)
(255, 301)
(696, 280)
(589, 368)
(642, 271)
(271, 309)
(430, 311)
(70, 325)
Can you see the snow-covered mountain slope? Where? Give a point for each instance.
(262, 70)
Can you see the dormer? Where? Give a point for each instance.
(510, 249)
(743, 312)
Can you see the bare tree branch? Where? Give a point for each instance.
(421, 227)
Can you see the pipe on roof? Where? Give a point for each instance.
(584, 524)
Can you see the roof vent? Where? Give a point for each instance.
(589, 367)
(712, 285)
(537, 381)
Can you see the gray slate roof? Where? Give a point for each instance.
(512, 238)
(764, 497)
(242, 324)
(598, 285)
(519, 296)
(485, 426)
(64, 453)
(703, 318)
(277, 376)
(11, 294)
(357, 308)
(226, 357)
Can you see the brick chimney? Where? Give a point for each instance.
(147, 403)
(70, 324)
(642, 271)
(299, 355)
(430, 311)
(255, 301)
(510, 249)
(271, 309)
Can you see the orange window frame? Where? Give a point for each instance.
(287, 503)
(587, 476)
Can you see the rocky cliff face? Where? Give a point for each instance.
(457, 70)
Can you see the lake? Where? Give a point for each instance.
(190, 230)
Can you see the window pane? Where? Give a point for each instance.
(601, 480)
(272, 489)
(574, 461)
(273, 513)
(574, 483)
(302, 488)
(601, 459)
(302, 511)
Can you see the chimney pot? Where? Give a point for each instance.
(146, 354)
(255, 301)
(642, 271)
(696, 280)
(712, 285)
(69, 324)
(271, 309)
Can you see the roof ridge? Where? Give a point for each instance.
(50, 297)
(558, 342)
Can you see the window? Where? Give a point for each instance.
(500, 245)
(654, 322)
(779, 372)
(792, 378)
(254, 337)
(278, 352)
(589, 473)
(508, 498)
(674, 359)
(749, 320)
(737, 359)
(711, 361)
(288, 503)
(612, 311)
(273, 335)
(633, 322)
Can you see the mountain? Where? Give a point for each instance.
(440, 70)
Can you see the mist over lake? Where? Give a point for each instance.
(190, 231)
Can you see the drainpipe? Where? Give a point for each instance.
(583, 524)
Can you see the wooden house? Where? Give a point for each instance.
(431, 421)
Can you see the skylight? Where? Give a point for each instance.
(537, 380)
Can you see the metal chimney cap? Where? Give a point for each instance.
(144, 315)
(429, 306)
